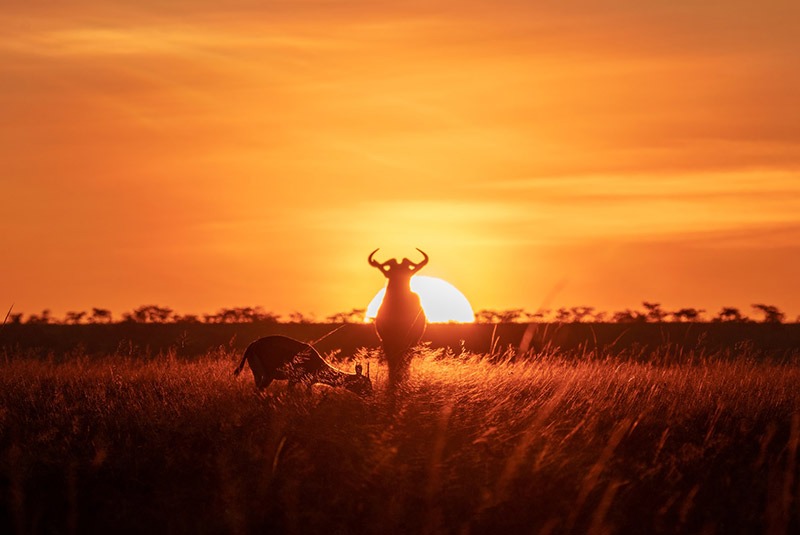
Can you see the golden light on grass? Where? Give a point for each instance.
(441, 301)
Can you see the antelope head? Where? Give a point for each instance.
(405, 266)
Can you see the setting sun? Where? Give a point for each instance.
(441, 301)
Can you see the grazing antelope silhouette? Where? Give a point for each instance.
(400, 321)
(284, 358)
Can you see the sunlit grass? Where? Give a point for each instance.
(475, 445)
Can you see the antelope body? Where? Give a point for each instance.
(400, 321)
(283, 358)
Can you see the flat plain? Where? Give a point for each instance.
(550, 441)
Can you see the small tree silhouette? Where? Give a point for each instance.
(654, 312)
(241, 315)
(501, 316)
(74, 318)
(562, 315)
(687, 314)
(100, 315)
(486, 316)
(211, 318)
(255, 314)
(229, 315)
(771, 313)
(509, 316)
(185, 318)
(539, 315)
(729, 314)
(149, 314)
(42, 319)
(160, 314)
(233, 315)
(628, 316)
(579, 313)
(356, 315)
(299, 317)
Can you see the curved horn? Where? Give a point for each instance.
(424, 260)
(372, 261)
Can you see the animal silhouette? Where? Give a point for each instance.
(400, 321)
(284, 358)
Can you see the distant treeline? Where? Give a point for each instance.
(637, 340)
(649, 313)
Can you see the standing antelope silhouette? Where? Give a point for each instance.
(400, 321)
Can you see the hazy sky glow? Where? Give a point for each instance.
(206, 154)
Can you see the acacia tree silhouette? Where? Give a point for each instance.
(772, 314)
(486, 316)
(43, 318)
(730, 314)
(238, 315)
(628, 316)
(355, 315)
(654, 311)
(74, 317)
(299, 317)
(580, 313)
(149, 314)
(100, 315)
(511, 315)
(687, 314)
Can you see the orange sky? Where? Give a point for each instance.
(201, 156)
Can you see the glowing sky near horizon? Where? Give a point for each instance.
(201, 155)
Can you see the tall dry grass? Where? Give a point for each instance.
(475, 445)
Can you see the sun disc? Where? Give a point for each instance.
(441, 301)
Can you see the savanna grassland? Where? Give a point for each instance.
(549, 443)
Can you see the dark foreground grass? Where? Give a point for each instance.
(547, 445)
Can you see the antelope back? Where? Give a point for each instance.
(283, 358)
